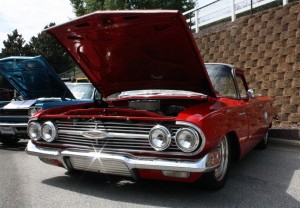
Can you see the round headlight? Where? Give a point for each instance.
(49, 131)
(159, 138)
(34, 130)
(187, 139)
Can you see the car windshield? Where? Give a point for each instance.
(221, 79)
(81, 90)
(153, 92)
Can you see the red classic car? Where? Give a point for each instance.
(164, 114)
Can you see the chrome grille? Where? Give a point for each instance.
(124, 137)
(108, 166)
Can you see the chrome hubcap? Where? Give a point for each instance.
(266, 138)
(221, 171)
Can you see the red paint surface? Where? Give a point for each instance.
(157, 175)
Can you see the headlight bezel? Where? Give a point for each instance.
(196, 139)
(33, 110)
(52, 127)
(168, 137)
(38, 126)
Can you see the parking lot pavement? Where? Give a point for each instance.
(289, 144)
(268, 178)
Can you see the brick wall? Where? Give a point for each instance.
(266, 46)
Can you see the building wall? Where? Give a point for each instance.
(266, 46)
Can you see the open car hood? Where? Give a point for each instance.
(135, 50)
(33, 77)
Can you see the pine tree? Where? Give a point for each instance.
(15, 46)
(82, 7)
(46, 46)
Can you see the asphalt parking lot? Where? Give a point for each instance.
(269, 178)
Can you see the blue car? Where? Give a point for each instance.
(39, 88)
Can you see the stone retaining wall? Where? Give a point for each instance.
(266, 46)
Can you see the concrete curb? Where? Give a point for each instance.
(290, 134)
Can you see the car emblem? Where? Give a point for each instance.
(95, 134)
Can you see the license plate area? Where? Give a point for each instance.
(7, 130)
(108, 166)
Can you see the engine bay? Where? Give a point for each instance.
(166, 107)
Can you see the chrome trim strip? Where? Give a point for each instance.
(195, 166)
(44, 152)
(108, 134)
(14, 124)
(15, 116)
(132, 136)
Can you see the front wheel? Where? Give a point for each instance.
(216, 179)
(8, 141)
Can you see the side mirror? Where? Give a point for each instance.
(250, 93)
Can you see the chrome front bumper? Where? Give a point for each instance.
(118, 164)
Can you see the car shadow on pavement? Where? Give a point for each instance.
(262, 179)
(19, 146)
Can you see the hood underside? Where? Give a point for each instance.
(134, 50)
(33, 77)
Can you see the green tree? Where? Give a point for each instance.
(82, 7)
(47, 46)
(15, 46)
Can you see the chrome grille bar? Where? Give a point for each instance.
(103, 165)
(120, 136)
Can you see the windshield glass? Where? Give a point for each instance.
(221, 79)
(81, 90)
(154, 92)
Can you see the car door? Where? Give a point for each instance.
(254, 111)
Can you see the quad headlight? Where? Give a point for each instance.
(48, 131)
(34, 130)
(160, 138)
(187, 139)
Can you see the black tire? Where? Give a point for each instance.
(73, 172)
(216, 179)
(263, 144)
(8, 140)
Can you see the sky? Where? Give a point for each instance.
(30, 17)
(203, 2)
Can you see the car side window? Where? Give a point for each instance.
(241, 86)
